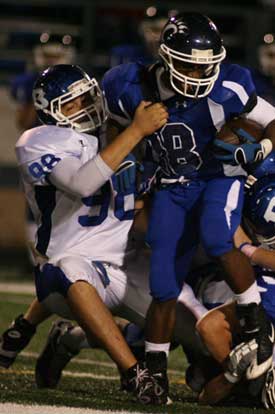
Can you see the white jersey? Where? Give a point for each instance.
(95, 226)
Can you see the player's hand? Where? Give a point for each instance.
(126, 173)
(239, 360)
(149, 117)
(245, 153)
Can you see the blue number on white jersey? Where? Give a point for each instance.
(102, 200)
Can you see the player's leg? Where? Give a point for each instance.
(20, 332)
(166, 228)
(96, 320)
(83, 289)
(222, 205)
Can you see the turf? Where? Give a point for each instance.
(17, 384)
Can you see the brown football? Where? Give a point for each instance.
(227, 134)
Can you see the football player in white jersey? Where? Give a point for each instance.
(83, 218)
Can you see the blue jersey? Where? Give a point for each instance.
(182, 147)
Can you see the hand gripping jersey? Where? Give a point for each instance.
(182, 147)
(96, 226)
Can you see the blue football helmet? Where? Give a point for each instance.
(259, 210)
(60, 84)
(189, 41)
(264, 168)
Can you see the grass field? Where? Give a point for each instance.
(91, 380)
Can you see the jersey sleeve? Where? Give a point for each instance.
(113, 85)
(40, 149)
(239, 90)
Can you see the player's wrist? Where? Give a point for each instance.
(135, 131)
(248, 249)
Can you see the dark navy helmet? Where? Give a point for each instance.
(259, 210)
(60, 84)
(188, 41)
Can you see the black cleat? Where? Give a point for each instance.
(156, 362)
(142, 385)
(54, 357)
(255, 324)
(14, 340)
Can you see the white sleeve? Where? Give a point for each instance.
(188, 298)
(263, 113)
(81, 180)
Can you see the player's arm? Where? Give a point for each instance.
(215, 328)
(257, 255)
(264, 114)
(84, 180)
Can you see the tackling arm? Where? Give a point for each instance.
(84, 180)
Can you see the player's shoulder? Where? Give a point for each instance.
(122, 89)
(47, 139)
(233, 81)
(119, 78)
(125, 71)
(234, 72)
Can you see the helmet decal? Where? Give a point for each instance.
(40, 102)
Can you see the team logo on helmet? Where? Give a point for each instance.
(175, 27)
(40, 102)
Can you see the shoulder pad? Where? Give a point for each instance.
(47, 139)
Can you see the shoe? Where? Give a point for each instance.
(156, 363)
(255, 324)
(54, 357)
(142, 385)
(14, 340)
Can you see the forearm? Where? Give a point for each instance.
(215, 390)
(120, 147)
(80, 180)
(264, 258)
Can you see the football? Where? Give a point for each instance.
(227, 132)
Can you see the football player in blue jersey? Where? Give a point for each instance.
(220, 327)
(201, 95)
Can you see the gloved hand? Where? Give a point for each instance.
(248, 151)
(239, 360)
(126, 173)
